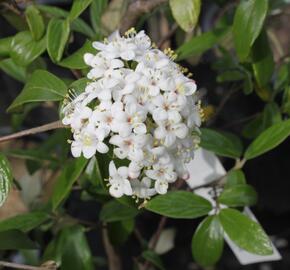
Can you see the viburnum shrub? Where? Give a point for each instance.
(136, 145)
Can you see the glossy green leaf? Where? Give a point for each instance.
(223, 144)
(5, 178)
(120, 231)
(208, 241)
(14, 240)
(234, 178)
(24, 49)
(268, 139)
(70, 249)
(262, 60)
(78, 25)
(5, 46)
(78, 7)
(199, 44)
(77, 253)
(93, 173)
(24, 222)
(248, 22)
(76, 60)
(70, 173)
(15, 71)
(57, 36)
(186, 13)
(115, 211)
(35, 22)
(271, 115)
(238, 195)
(179, 204)
(96, 10)
(41, 86)
(244, 232)
(151, 256)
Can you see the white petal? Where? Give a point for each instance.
(123, 171)
(76, 150)
(140, 128)
(127, 189)
(181, 130)
(161, 187)
(112, 168)
(102, 147)
(89, 151)
(116, 191)
(88, 58)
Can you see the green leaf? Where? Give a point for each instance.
(14, 239)
(41, 86)
(286, 101)
(77, 253)
(78, 7)
(70, 173)
(78, 25)
(120, 231)
(57, 37)
(186, 13)
(179, 204)
(271, 115)
(199, 44)
(5, 178)
(254, 127)
(262, 60)
(244, 232)
(230, 75)
(15, 71)
(24, 49)
(151, 256)
(238, 195)
(96, 10)
(208, 241)
(223, 144)
(70, 249)
(93, 173)
(35, 22)
(268, 139)
(24, 222)
(76, 60)
(234, 178)
(248, 22)
(115, 211)
(5, 46)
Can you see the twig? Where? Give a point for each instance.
(43, 128)
(21, 266)
(135, 10)
(168, 36)
(114, 260)
(154, 240)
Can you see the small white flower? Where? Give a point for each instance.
(88, 141)
(119, 183)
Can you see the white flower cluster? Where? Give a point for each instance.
(140, 103)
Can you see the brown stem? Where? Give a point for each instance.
(114, 260)
(155, 239)
(43, 128)
(168, 35)
(21, 266)
(135, 10)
